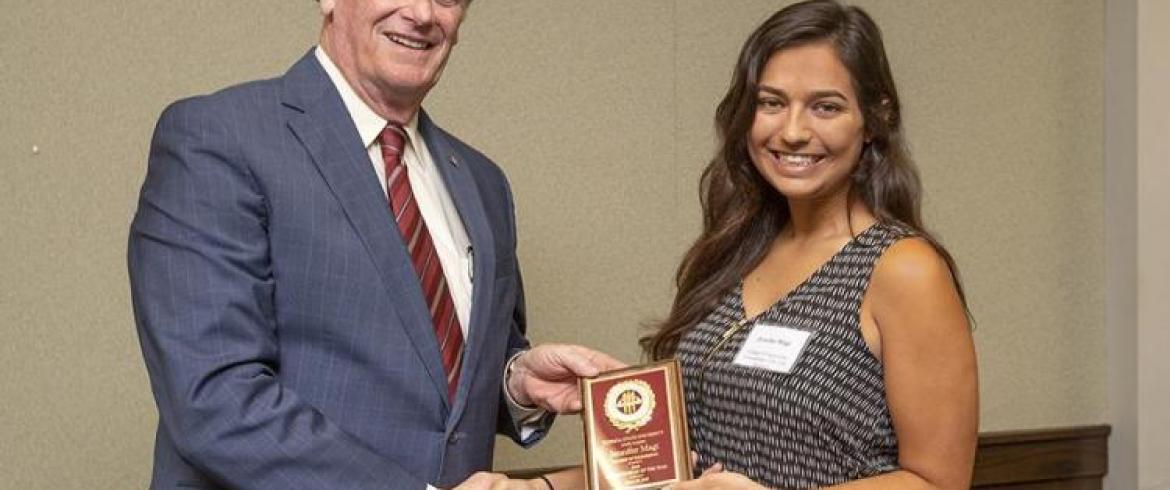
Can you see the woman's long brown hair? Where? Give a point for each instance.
(742, 213)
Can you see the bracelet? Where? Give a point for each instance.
(546, 482)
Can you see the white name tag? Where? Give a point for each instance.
(773, 347)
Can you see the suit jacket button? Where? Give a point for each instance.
(454, 438)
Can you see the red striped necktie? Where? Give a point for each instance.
(422, 254)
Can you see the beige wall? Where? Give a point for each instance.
(1153, 282)
(1121, 234)
(1137, 122)
(601, 114)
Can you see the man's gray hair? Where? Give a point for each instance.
(468, 2)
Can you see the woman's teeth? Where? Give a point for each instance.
(799, 160)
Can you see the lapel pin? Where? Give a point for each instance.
(454, 161)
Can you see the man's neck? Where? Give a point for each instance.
(393, 107)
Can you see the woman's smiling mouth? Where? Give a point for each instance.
(798, 159)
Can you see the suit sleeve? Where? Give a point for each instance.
(202, 289)
(511, 422)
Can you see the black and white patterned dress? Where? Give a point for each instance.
(824, 423)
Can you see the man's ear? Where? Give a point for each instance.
(326, 6)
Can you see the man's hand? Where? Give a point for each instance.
(546, 376)
(482, 480)
(507, 484)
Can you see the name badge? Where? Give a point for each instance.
(773, 347)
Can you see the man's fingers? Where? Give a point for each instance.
(569, 401)
(586, 362)
(577, 360)
(603, 361)
(480, 480)
(560, 362)
(557, 362)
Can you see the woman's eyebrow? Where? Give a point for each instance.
(819, 94)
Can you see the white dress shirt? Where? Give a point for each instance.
(434, 202)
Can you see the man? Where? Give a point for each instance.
(325, 282)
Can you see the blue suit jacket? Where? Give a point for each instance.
(282, 324)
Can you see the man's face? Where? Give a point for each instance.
(392, 51)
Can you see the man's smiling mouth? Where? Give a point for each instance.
(408, 42)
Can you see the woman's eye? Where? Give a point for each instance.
(770, 103)
(827, 109)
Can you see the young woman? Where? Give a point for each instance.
(822, 331)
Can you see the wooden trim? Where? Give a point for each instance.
(1065, 458)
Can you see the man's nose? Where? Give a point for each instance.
(421, 12)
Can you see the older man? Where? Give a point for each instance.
(325, 282)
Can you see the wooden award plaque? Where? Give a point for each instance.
(635, 428)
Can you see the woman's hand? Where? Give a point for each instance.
(716, 478)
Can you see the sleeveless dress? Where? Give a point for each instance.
(825, 422)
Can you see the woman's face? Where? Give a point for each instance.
(808, 130)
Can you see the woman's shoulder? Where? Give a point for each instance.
(912, 290)
(911, 262)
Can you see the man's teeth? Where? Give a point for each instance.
(412, 44)
(799, 160)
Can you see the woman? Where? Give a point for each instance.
(812, 235)
(822, 331)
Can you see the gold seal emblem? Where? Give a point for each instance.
(628, 404)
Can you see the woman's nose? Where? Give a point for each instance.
(795, 131)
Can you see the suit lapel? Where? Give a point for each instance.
(324, 127)
(465, 194)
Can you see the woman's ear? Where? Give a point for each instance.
(326, 7)
(887, 111)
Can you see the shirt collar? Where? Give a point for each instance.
(369, 124)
